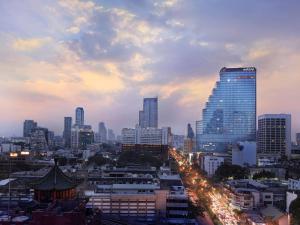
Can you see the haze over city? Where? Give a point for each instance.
(107, 55)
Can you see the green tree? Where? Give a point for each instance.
(263, 175)
(142, 157)
(226, 171)
(295, 211)
(98, 159)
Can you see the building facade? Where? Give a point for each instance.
(79, 116)
(274, 136)
(298, 139)
(28, 127)
(230, 112)
(190, 132)
(67, 131)
(128, 136)
(148, 117)
(102, 132)
(178, 141)
(210, 164)
(81, 137)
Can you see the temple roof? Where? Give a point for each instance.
(55, 179)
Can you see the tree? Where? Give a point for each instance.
(263, 175)
(98, 159)
(141, 157)
(226, 171)
(295, 211)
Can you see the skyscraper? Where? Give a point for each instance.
(149, 116)
(190, 132)
(298, 139)
(79, 116)
(102, 132)
(28, 127)
(67, 131)
(274, 136)
(230, 112)
(111, 135)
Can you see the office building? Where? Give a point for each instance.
(102, 132)
(274, 136)
(190, 132)
(148, 117)
(79, 116)
(298, 139)
(128, 136)
(189, 145)
(150, 136)
(178, 141)
(28, 126)
(39, 139)
(210, 163)
(230, 112)
(147, 136)
(111, 135)
(67, 131)
(81, 137)
(166, 136)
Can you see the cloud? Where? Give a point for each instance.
(108, 55)
(30, 44)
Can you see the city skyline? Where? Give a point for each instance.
(170, 49)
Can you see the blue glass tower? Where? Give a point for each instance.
(230, 113)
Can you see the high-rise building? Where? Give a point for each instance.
(274, 136)
(102, 132)
(67, 131)
(189, 145)
(199, 131)
(190, 132)
(149, 116)
(166, 136)
(230, 112)
(111, 135)
(28, 127)
(39, 139)
(178, 141)
(79, 116)
(298, 139)
(81, 137)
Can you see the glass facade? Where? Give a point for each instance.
(230, 113)
(149, 116)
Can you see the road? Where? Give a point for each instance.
(196, 183)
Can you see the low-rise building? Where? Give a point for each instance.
(210, 163)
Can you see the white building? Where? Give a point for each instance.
(244, 153)
(149, 135)
(211, 163)
(128, 136)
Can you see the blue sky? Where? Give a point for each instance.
(107, 55)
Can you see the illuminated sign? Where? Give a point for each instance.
(249, 69)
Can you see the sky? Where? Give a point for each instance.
(107, 55)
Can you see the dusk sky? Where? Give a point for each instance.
(107, 55)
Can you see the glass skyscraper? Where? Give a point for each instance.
(149, 116)
(79, 116)
(230, 112)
